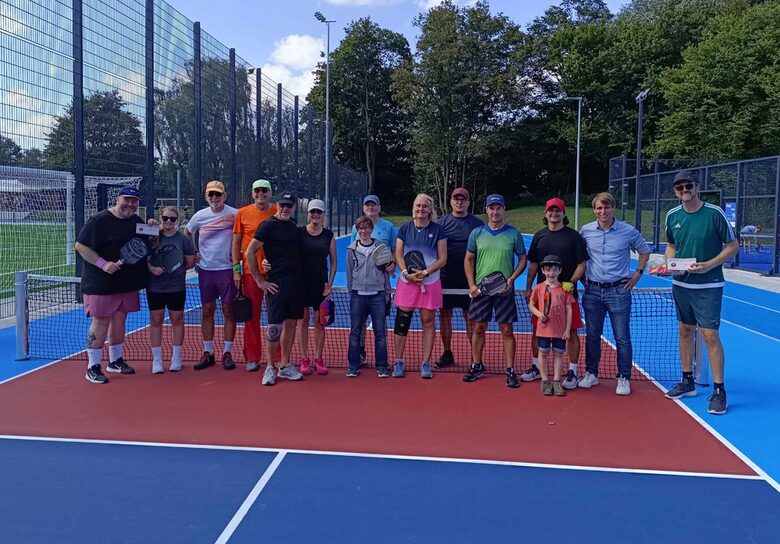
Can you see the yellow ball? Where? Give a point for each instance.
(568, 286)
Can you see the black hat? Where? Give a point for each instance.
(286, 198)
(551, 260)
(684, 175)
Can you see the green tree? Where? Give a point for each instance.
(10, 152)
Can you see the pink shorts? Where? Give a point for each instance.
(108, 305)
(409, 295)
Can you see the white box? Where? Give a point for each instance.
(679, 266)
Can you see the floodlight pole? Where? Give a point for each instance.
(577, 174)
(640, 99)
(321, 18)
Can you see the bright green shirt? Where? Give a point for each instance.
(495, 249)
(700, 235)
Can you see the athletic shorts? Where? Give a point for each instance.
(483, 307)
(108, 305)
(286, 303)
(173, 301)
(409, 295)
(216, 284)
(576, 316)
(312, 293)
(450, 302)
(698, 306)
(557, 344)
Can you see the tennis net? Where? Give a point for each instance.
(51, 324)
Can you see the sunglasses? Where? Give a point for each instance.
(681, 186)
(285, 205)
(213, 193)
(316, 212)
(169, 218)
(261, 190)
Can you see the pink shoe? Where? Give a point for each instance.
(319, 364)
(306, 367)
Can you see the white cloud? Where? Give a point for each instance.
(298, 83)
(292, 62)
(363, 2)
(428, 4)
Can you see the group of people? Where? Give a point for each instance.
(260, 251)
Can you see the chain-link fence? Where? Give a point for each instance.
(748, 191)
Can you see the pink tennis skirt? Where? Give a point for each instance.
(409, 295)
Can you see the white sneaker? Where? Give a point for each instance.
(588, 381)
(269, 376)
(289, 372)
(157, 367)
(623, 386)
(252, 366)
(175, 366)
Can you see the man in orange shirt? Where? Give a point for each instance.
(248, 219)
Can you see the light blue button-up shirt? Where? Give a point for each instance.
(610, 250)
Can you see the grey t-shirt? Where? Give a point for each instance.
(174, 282)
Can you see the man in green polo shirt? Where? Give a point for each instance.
(699, 230)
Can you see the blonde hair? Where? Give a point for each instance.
(431, 216)
(174, 209)
(605, 198)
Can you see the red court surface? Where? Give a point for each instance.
(443, 417)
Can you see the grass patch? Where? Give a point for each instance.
(35, 248)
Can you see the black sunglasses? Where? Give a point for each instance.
(681, 186)
(261, 189)
(285, 205)
(214, 193)
(169, 218)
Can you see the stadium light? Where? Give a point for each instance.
(640, 100)
(577, 175)
(321, 18)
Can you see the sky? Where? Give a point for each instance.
(285, 40)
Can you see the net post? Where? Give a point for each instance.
(22, 316)
(701, 360)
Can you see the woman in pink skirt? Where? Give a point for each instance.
(419, 288)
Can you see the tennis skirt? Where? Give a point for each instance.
(409, 295)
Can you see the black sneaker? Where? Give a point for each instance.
(95, 375)
(206, 361)
(531, 374)
(511, 378)
(718, 402)
(447, 359)
(227, 361)
(475, 372)
(683, 389)
(120, 367)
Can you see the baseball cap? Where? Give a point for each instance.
(372, 198)
(132, 192)
(556, 203)
(261, 184)
(215, 186)
(286, 198)
(316, 204)
(684, 175)
(551, 260)
(494, 199)
(461, 191)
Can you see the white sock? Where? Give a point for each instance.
(573, 367)
(535, 362)
(208, 345)
(115, 352)
(228, 348)
(157, 353)
(176, 353)
(93, 357)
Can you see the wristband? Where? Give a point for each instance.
(100, 263)
(404, 273)
(426, 273)
(237, 268)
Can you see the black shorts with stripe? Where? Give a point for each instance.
(483, 307)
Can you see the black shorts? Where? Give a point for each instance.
(173, 301)
(504, 305)
(286, 303)
(312, 292)
(450, 302)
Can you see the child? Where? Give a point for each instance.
(369, 293)
(554, 322)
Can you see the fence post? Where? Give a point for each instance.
(776, 245)
(22, 316)
(657, 210)
(259, 120)
(623, 185)
(198, 90)
(279, 150)
(740, 202)
(78, 120)
(149, 77)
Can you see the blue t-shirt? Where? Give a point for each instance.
(457, 231)
(384, 231)
(424, 240)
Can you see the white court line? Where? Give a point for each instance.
(394, 457)
(250, 499)
(750, 330)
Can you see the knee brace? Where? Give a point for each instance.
(402, 321)
(273, 333)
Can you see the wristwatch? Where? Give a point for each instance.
(640, 270)
(426, 273)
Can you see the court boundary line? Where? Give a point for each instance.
(424, 458)
(250, 499)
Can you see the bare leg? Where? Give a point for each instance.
(445, 328)
(288, 338)
(429, 332)
(230, 323)
(303, 333)
(156, 318)
(686, 346)
(478, 341)
(715, 352)
(177, 323)
(508, 339)
(207, 320)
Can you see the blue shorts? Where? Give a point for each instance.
(557, 344)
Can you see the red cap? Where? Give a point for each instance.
(461, 191)
(555, 202)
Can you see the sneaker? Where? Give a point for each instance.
(175, 366)
(95, 375)
(425, 370)
(382, 373)
(511, 378)
(206, 361)
(319, 366)
(623, 386)
(269, 376)
(476, 371)
(352, 372)
(558, 389)
(446, 359)
(362, 355)
(289, 372)
(588, 381)
(682, 389)
(157, 367)
(398, 369)
(547, 388)
(252, 366)
(227, 361)
(571, 380)
(120, 367)
(306, 369)
(718, 402)
(531, 374)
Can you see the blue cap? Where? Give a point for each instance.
(132, 192)
(372, 198)
(494, 199)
